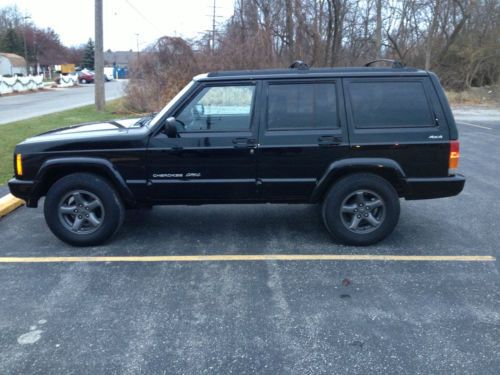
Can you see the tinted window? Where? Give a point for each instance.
(218, 108)
(302, 106)
(389, 104)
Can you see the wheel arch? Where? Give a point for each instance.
(385, 168)
(54, 169)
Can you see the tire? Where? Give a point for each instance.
(83, 209)
(83, 81)
(361, 209)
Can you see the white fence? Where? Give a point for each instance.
(17, 84)
(68, 80)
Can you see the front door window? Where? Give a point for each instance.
(219, 108)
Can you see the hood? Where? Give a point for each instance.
(93, 126)
(86, 130)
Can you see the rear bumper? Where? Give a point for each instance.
(439, 187)
(24, 190)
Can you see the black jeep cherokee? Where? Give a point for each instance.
(353, 139)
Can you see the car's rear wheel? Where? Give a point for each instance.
(83, 80)
(83, 209)
(361, 209)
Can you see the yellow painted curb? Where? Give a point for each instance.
(9, 203)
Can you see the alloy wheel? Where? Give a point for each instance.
(81, 212)
(362, 211)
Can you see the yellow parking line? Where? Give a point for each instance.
(260, 257)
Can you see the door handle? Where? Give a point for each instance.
(329, 140)
(244, 143)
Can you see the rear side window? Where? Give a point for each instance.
(385, 104)
(302, 106)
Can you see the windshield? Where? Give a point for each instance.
(160, 114)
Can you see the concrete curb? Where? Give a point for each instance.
(9, 203)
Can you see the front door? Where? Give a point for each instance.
(213, 156)
(304, 132)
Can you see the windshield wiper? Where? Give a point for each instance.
(145, 120)
(117, 124)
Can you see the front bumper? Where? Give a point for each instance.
(23, 189)
(438, 187)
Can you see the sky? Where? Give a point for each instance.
(124, 19)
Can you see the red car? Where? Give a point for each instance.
(85, 76)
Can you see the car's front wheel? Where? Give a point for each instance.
(361, 209)
(83, 209)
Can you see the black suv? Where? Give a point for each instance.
(353, 139)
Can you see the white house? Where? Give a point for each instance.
(11, 64)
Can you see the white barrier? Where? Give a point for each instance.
(17, 84)
(68, 80)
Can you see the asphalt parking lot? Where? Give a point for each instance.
(264, 316)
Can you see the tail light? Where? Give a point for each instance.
(454, 157)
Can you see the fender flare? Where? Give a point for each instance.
(352, 165)
(102, 165)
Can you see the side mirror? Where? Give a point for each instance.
(171, 127)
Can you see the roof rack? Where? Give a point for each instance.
(395, 63)
(299, 65)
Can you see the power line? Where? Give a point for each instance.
(143, 16)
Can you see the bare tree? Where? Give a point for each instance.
(459, 39)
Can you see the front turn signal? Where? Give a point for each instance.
(19, 164)
(454, 157)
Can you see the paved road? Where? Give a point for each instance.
(480, 114)
(269, 317)
(20, 107)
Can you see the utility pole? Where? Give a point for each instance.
(378, 31)
(99, 58)
(26, 46)
(213, 28)
(211, 32)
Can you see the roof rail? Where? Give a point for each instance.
(300, 65)
(395, 63)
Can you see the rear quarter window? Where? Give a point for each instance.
(389, 104)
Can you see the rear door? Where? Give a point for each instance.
(399, 118)
(303, 130)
